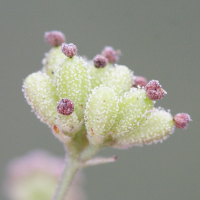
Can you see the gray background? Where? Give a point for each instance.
(158, 39)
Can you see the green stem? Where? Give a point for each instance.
(71, 167)
(73, 164)
(89, 152)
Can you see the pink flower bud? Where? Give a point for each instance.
(111, 54)
(181, 120)
(37, 173)
(69, 50)
(154, 90)
(65, 107)
(100, 61)
(140, 80)
(54, 38)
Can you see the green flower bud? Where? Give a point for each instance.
(96, 101)
(156, 128)
(133, 107)
(40, 93)
(120, 78)
(72, 82)
(101, 111)
(97, 74)
(68, 124)
(51, 60)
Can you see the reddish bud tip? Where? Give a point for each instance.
(181, 120)
(69, 50)
(154, 90)
(111, 54)
(115, 158)
(140, 81)
(54, 38)
(65, 107)
(100, 61)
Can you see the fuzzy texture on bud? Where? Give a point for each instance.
(68, 124)
(100, 114)
(72, 82)
(120, 78)
(182, 120)
(54, 38)
(51, 60)
(69, 50)
(40, 93)
(97, 74)
(133, 110)
(106, 109)
(154, 90)
(153, 129)
(65, 107)
(140, 81)
(100, 61)
(110, 54)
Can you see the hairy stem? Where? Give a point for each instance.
(74, 161)
(71, 167)
(89, 151)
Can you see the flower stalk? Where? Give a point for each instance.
(70, 169)
(75, 160)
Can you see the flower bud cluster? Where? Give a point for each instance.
(100, 101)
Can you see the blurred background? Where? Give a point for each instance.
(158, 39)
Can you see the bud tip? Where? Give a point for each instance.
(115, 158)
(65, 107)
(182, 120)
(70, 50)
(140, 81)
(111, 54)
(100, 61)
(54, 38)
(154, 90)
